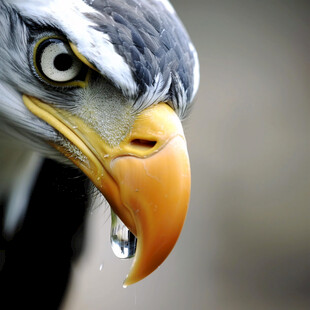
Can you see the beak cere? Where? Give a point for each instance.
(146, 178)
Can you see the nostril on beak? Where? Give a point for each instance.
(142, 144)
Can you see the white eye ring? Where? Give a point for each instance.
(57, 61)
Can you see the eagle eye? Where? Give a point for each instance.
(56, 63)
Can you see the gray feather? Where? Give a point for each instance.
(153, 42)
(18, 172)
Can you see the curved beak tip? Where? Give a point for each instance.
(156, 192)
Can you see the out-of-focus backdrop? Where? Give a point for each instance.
(245, 244)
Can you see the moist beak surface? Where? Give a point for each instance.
(145, 179)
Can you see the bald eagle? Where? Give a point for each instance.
(102, 86)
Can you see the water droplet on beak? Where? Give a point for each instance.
(123, 241)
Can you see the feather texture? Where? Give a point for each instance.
(19, 169)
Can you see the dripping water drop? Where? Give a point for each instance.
(123, 241)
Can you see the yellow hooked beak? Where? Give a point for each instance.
(146, 178)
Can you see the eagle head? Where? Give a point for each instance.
(105, 84)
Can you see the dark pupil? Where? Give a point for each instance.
(63, 62)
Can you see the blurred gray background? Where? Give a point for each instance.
(245, 244)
